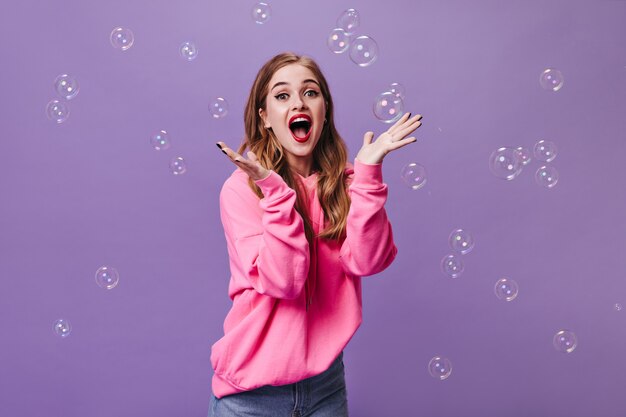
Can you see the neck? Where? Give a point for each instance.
(302, 166)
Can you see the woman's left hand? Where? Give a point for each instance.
(394, 138)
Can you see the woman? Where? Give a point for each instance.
(302, 227)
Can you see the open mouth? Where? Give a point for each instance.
(300, 126)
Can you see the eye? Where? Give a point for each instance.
(281, 95)
(313, 93)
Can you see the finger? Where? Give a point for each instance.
(401, 143)
(367, 138)
(401, 133)
(401, 120)
(252, 156)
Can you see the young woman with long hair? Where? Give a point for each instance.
(302, 226)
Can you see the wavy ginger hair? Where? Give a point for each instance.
(329, 156)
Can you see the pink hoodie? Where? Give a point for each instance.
(272, 335)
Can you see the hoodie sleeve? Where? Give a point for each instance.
(265, 238)
(368, 247)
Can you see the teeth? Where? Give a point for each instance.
(300, 119)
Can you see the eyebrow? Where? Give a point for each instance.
(285, 83)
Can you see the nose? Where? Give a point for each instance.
(298, 103)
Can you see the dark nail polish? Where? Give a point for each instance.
(219, 146)
(224, 151)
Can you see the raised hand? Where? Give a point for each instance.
(394, 138)
(250, 166)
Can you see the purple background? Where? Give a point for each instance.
(92, 192)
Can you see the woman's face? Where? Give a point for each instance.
(295, 110)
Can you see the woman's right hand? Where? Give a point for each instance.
(250, 166)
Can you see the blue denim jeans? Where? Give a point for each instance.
(322, 395)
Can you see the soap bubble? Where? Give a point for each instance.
(545, 150)
(66, 86)
(413, 175)
(122, 38)
(388, 108)
(261, 12)
(363, 51)
(57, 111)
(107, 277)
(617, 307)
(440, 368)
(551, 79)
(461, 241)
(565, 341)
(338, 41)
(218, 108)
(397, 90)
(160, 140)
(524, 155)
(348, 21)
(506, 289)
(62, 327)
(188, 51)
(505, 163)
(178, 165)
(547, 176)
(452, 266)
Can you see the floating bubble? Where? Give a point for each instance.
(461, 241)
(348, 21)
(565, 341)
(452, 266)
(545, 150)
(338, 41)
(617, 307)
(397, 90)
(160, 140)
(218, 108)
(188, 51)
(122, 38)
(506, 289)
(413, 175)
(261, 12)
(524, 155)
(388, 108)
(551, 79)
(505, 163)
(66, 86)
(363, 51)
(62, 327)
(57, 111)
(547, 176)
(178, 165)
(440, 368)
(107, 277)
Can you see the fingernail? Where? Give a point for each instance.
(224, 151)
(409, 115)
(237, 160)
(218, 145)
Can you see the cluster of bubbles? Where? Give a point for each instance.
(507, 162)
(363, 50)
(462, 243)
(551, 79)
(161, 140)
(389, 105)
(66, 88)
(123, 38)
(107, 277)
